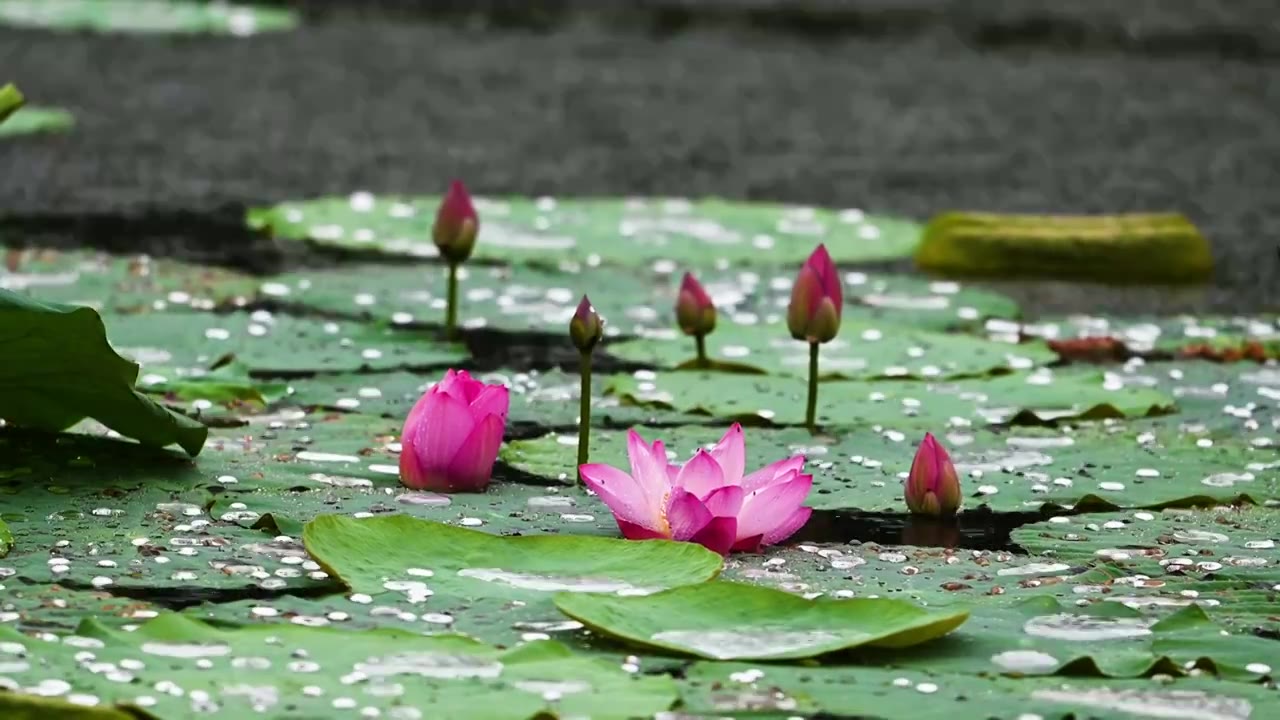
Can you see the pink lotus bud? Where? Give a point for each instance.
(451, 437)
(932, 488)
(817, 299)
(456, 225)
(695, 313)
(586, 327)
(710, 500)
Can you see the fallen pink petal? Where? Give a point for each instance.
(709, 500)
(451, 438)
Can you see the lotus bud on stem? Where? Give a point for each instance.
(695, 314)
(932, 487)
(585, 329)
(817, 299)
(454, 234)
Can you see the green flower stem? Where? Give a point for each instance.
(702, 350)
(451, 311)
(584, 412)
(811, 411)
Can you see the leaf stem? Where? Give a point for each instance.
(584, 412)
(451, 310)
(811, 411)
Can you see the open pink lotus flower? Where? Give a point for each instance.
(452, 435)
(707, 500)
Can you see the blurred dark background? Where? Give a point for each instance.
(900, 106)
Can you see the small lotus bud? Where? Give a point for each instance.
(817, 299)
(586, 327)
(695, 313)
(454, 232)
(932, 487)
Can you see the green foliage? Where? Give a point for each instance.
(718, 688)
(1010, 471)
(1141, 496)
(291, 669)
(1133, 248)
(872, 350)
(1022, 398)
(30, 119)
(548, 231)
(10, 101)
(60, 369)
(145, 16)
(731, 621)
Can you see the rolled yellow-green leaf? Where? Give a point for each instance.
(10, 101)
(1130, 248)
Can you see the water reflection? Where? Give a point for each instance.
(973, 530)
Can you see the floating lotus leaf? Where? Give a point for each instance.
(60, 369)
(1016, 471)
(637, 300)
(538, 399)
(864, 350)
(122, 284)
(494, 580)
(1220, 543)
(732, 621)
(292, 669)
(145, 16)
(717, 689)
(31, 119)
(1038, 397)
(270, 344)
(633, 232)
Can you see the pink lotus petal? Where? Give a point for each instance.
(632, 531)
(829, 276)
(717, 535)
(454, 384)
(443, 426)
(641, 456)
(686, 515)
(731, 454)
(725, 501)
(472, 465)
(673, 472)
(456, 205)
(787, 527)
(618, 490)
(413, 422)
(701, 475)
(772, 473)
(649, 470)
(492, 400)
(695, 503)
(750, 544)
(445, 444)
(767, 508)
(412, 473)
